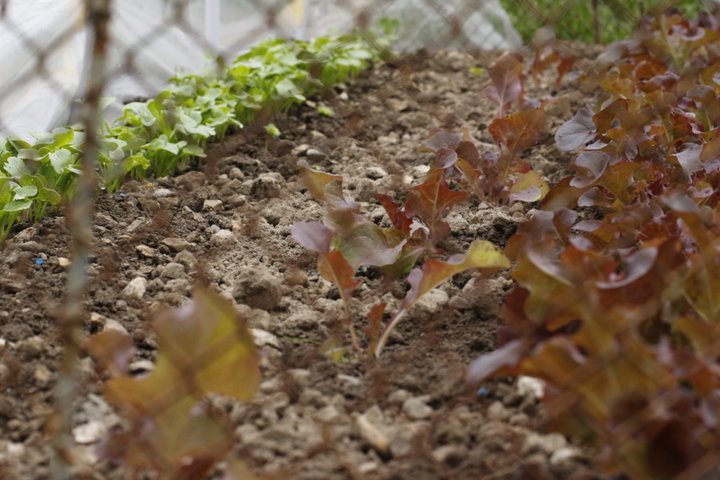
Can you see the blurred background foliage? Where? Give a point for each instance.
(590, 21)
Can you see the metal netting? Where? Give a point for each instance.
(79, 62)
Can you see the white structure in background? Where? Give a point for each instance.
(37, 96)
(483, 24)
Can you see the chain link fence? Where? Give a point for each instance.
(82, 61)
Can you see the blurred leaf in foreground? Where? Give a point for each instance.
(204, 348)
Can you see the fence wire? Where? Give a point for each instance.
(59, 64)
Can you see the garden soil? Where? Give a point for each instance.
(226, 224)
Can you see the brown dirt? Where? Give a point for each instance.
(304, 421)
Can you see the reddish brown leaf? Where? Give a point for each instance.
(519, 131)
(204, 347)
(468, 151)
(481, 254)
(562, 195)
(443, 140)
(181, 441)
(369, 245)
(577, 131)
(617, 179)
(398, 217)
(616, 111)
(595, 197)
(473, 178)
(710, 154)
(375, 317)
(591, 165)
(528, 187)
(431, 200)
(333, 267)
(507, 79)
(312, 235)
(325, 187)
(496, 362)
(567, 60)
(671, 450)
(445, 158)
(689, 159)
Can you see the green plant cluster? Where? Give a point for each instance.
(161, 135)
(575, 19)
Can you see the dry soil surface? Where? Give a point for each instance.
(227, 224)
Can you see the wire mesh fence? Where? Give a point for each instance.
(80, 68)
(48, 52)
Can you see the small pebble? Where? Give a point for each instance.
(186, 258)
(497, 411)
(31, 347)
(176, 244)
(90, 432)
(449, 452)
(376, 173)
(115, 326)
(315, 154)
(264, 338)
(145, 251)
(32, 246)
(222, 236)
(530, 387)
(42, 376)
(135, 288)
(329, 414)
(300, 376)
(212, 205)
(403, 438)
(372, 433)
(98, 320)
(416, 408)
(172, 270)
(399, 396)
(367, 467)
(300, 150)
(163, 192)
(349, 379)
(564, 461)
(267, 185)
(137, 223)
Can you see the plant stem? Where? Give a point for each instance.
(388, 330)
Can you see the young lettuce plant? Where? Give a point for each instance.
(346, 240)
(494, 176)
(507, 82)
(619, 313)
(621, 335)
(548, 50)
(204, 348)
(36, 176)
(163, 134)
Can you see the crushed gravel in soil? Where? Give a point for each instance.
(227, 225)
